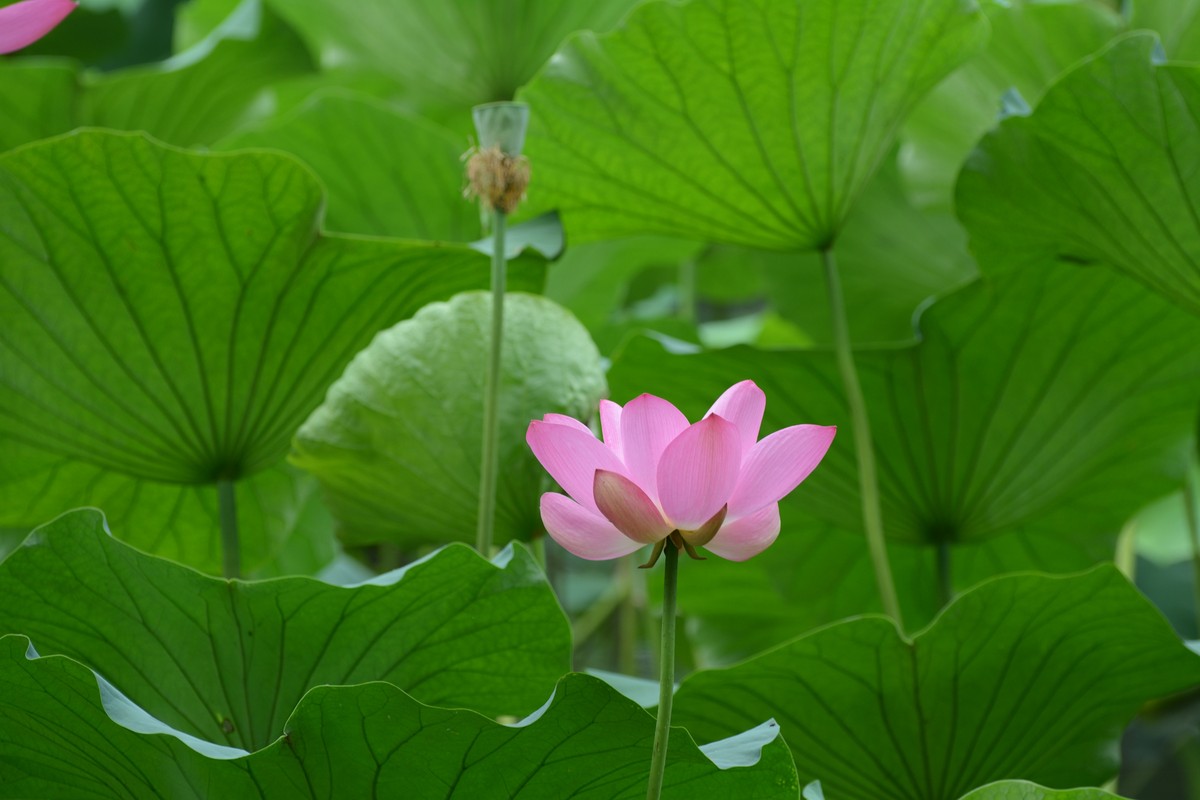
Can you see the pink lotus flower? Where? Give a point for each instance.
(654, 476)
(22, 24)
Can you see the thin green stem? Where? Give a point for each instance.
(1190, 489)
(868, 483)
(666, 674)
(489, 462)
(231, 555)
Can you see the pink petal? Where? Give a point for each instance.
(748, 536)
(629, 508)
(610, 425)
(698, 471)
(571, 456)
(584, 533)
(777, 465)
(563, 419)
(743, 405)
(22, 24)
(648, 425)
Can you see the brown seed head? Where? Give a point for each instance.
(497, 179)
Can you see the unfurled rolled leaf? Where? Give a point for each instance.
(587, 742)
(1104, 171)
(754, 123)
(227, 661)
(396, 442)
(175, 316)
(1027, 675)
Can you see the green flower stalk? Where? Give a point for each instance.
(497, 175)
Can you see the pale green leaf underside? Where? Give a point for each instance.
(192, 99)
(396, 444)
(1023, 790)
(589, 743)
(175, 316)
(387, 173)
(752, 123)
(1027, 675)
(227, 662)
(1104, 170)
(452, 53)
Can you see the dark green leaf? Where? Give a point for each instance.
(387, 173)
(194, 98)
(397, 442)
(228, 661)
(1104, 171)
(175, 316)
(588, 743)
(1041, 410)
(1027, 675)
(754, 123)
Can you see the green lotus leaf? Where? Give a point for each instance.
(227, 661)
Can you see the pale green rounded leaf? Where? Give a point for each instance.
(227, 661)
(175, 316)
(1027, 675)
(1024, 790)
(397, 442)
(754, 123)
(1105, 170)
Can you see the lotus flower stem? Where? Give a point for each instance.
(497, 175)
(489, 463)
(231, 555)
(868, 482)
(666, 673)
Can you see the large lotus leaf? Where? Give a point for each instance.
(1026, 675)
(387, 173)
(194, 98)
(1032, 43)
(893, 258)
(175, 316)
(450, 54)
(227, 661)
(588, 742)
(1039, 412)
(283, 527)
(1023, 790)
(1176, 21)
(1104, 171)
(754, 123)
(396, 444)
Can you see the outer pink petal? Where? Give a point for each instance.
(629, 508)
(648, 425)
(698, 472)
(748, 536)
(22, 24)
(584, 533)
(571, 456)
(777, 465)
(610, 426)
(743, 405)
(563, 419)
